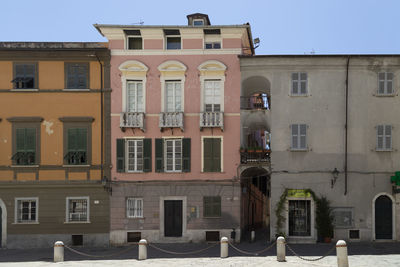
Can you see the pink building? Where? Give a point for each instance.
(175, 130)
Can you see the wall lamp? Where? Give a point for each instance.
(335, 174)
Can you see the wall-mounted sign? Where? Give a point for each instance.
(298, 193)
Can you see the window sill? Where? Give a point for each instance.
(75, 90)
(384, 150)
(76, 166)
(305, 95)
(384, 95)
(299, 149)
(77, 222)
(24, 166)
(134, 171)
(212, 217)
(137, 218)
(24, 223)
(25, 90)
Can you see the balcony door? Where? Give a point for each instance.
(135, 99)
(212, 96)
(173, 99)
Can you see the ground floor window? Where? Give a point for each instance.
(26, 210)
(134, 207)
(299, 217)
(77, 209)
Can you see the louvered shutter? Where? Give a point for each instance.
(389, 83)
(295, 134)
(303, 136)
(208, 155)
(20, 140)
(295, 83)
(147, 155)
(120, 155)
(388, 137)
(216, 154)
(186, 154)
(379, 135)
(159, 155)
(303, 83)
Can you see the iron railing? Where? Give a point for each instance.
(262, 156)
(24, 158)
(254, 102)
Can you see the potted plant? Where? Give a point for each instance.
(242, 149)
(324, 219)
(250, 149)
(259, 149)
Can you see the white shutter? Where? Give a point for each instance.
(379, 136)
(295, 83)
(295, 136)
(303, 133)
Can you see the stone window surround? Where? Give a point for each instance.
(87, 76)
(17, 199)
(36, 82)
(78, 122)
(26, 122)
(67, 199)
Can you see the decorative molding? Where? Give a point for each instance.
(76, 119)
(25, 119)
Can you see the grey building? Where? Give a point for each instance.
(333, 123)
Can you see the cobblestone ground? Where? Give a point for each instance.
(361, 255)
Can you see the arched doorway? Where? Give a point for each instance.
(383, 220)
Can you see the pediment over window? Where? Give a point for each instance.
(172, 66)
(212, 67)
(133, 66)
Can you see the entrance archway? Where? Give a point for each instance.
(383, 217)
(3, 224)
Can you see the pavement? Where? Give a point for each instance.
(360, 255)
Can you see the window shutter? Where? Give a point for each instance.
(389, 84)
(303, 135)
(295, 83)
(147, 155)
(120, 155)
(70, 76)
(82, 76)
(30, 143)
(217, 154)
(159, 155)
(379, 136)
(295, 134)
(388, 136)
(208, 155)
(186, 154)
(81, 143)
(20, 140)
(72, 139)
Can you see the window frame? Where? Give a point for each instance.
(166, 82)
(136, 82)
(221, 153)
(174, 169)
(173, 36)
(212, 45)
(298, 136)
(135, 215)
(385, 83)
(299, 82)
(212, 215)
(66, 68)
(16, 209)
(36, 76)
(135, 140)
(221, 94)
(67, 213)
(133, 37)
(199, 25)
(384, 136)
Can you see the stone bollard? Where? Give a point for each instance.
(224, 247)
(280, 249)
(142, 249)
(58, 251)
(341, 253)
(253, 236)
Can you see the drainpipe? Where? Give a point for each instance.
(102, 119)
(346, 126)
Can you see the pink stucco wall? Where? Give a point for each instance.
(231, 133)
(116, 44)
(153, 44)
(232, 43)
(192, 43)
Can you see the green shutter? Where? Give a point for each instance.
(77, 76)
(20, 140)
(159, 155)
(72, 139)
(30, 140)
(81, 139)
(186, 154)
(120, 155)
(208, 155)
(212, 206)
(147, 155)
(216, 154)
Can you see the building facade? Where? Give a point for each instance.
(333, 123)
(53, 153)
(175, 116)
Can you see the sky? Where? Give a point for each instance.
(283, 26)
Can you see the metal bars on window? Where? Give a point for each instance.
(78, 210)
(26, 210)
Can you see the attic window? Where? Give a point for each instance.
(24, 76)
(172, 39)
(198, 22)
(133, 40)
(212, 31)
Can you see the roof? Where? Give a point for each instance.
(320, 55)
(53, 45)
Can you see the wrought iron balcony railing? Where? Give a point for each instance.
(254, 102)
(24, 158)
(132, 120)
(171, 120)
(76, 158)
(211, 119)
(248, 157)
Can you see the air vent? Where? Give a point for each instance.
(133, 236)
(171, 32)
(132, 32)
(212, 31)
(77, 240)
(354, 234)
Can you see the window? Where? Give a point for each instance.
(25, 76)
(299, 218)
(135, 99)
(299, 134)
(173, 155)
(77, 75)
(385, 83)
(198, 22)
(212, 206)
(299, 83)
(173, 92)
(77, 209)
(134, 152)
(215, 45)
(77, 146)
(172, 39)
(212, 154)
(25, 146)
(384, 137)
(134, 207)
(133, 39)
(26, 210)
(134, 155)
(212, 95)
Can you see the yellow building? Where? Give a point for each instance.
(54, 163)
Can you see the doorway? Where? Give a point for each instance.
(383, 218)
(1, 226)
(173, 218)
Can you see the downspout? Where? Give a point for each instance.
(346, 126)
(102, 119)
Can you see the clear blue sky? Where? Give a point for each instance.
(283, 26)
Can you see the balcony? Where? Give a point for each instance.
(211, 120)
(255, 156)
(254, 102)
(132, 120)
(171, 120)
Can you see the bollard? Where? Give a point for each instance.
(341, 253)
(224, 247)
(280, 249)
(142, 249)
(253, 236)
(58, 251)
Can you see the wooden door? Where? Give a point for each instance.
(173, 218)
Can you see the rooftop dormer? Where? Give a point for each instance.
(198, 19)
